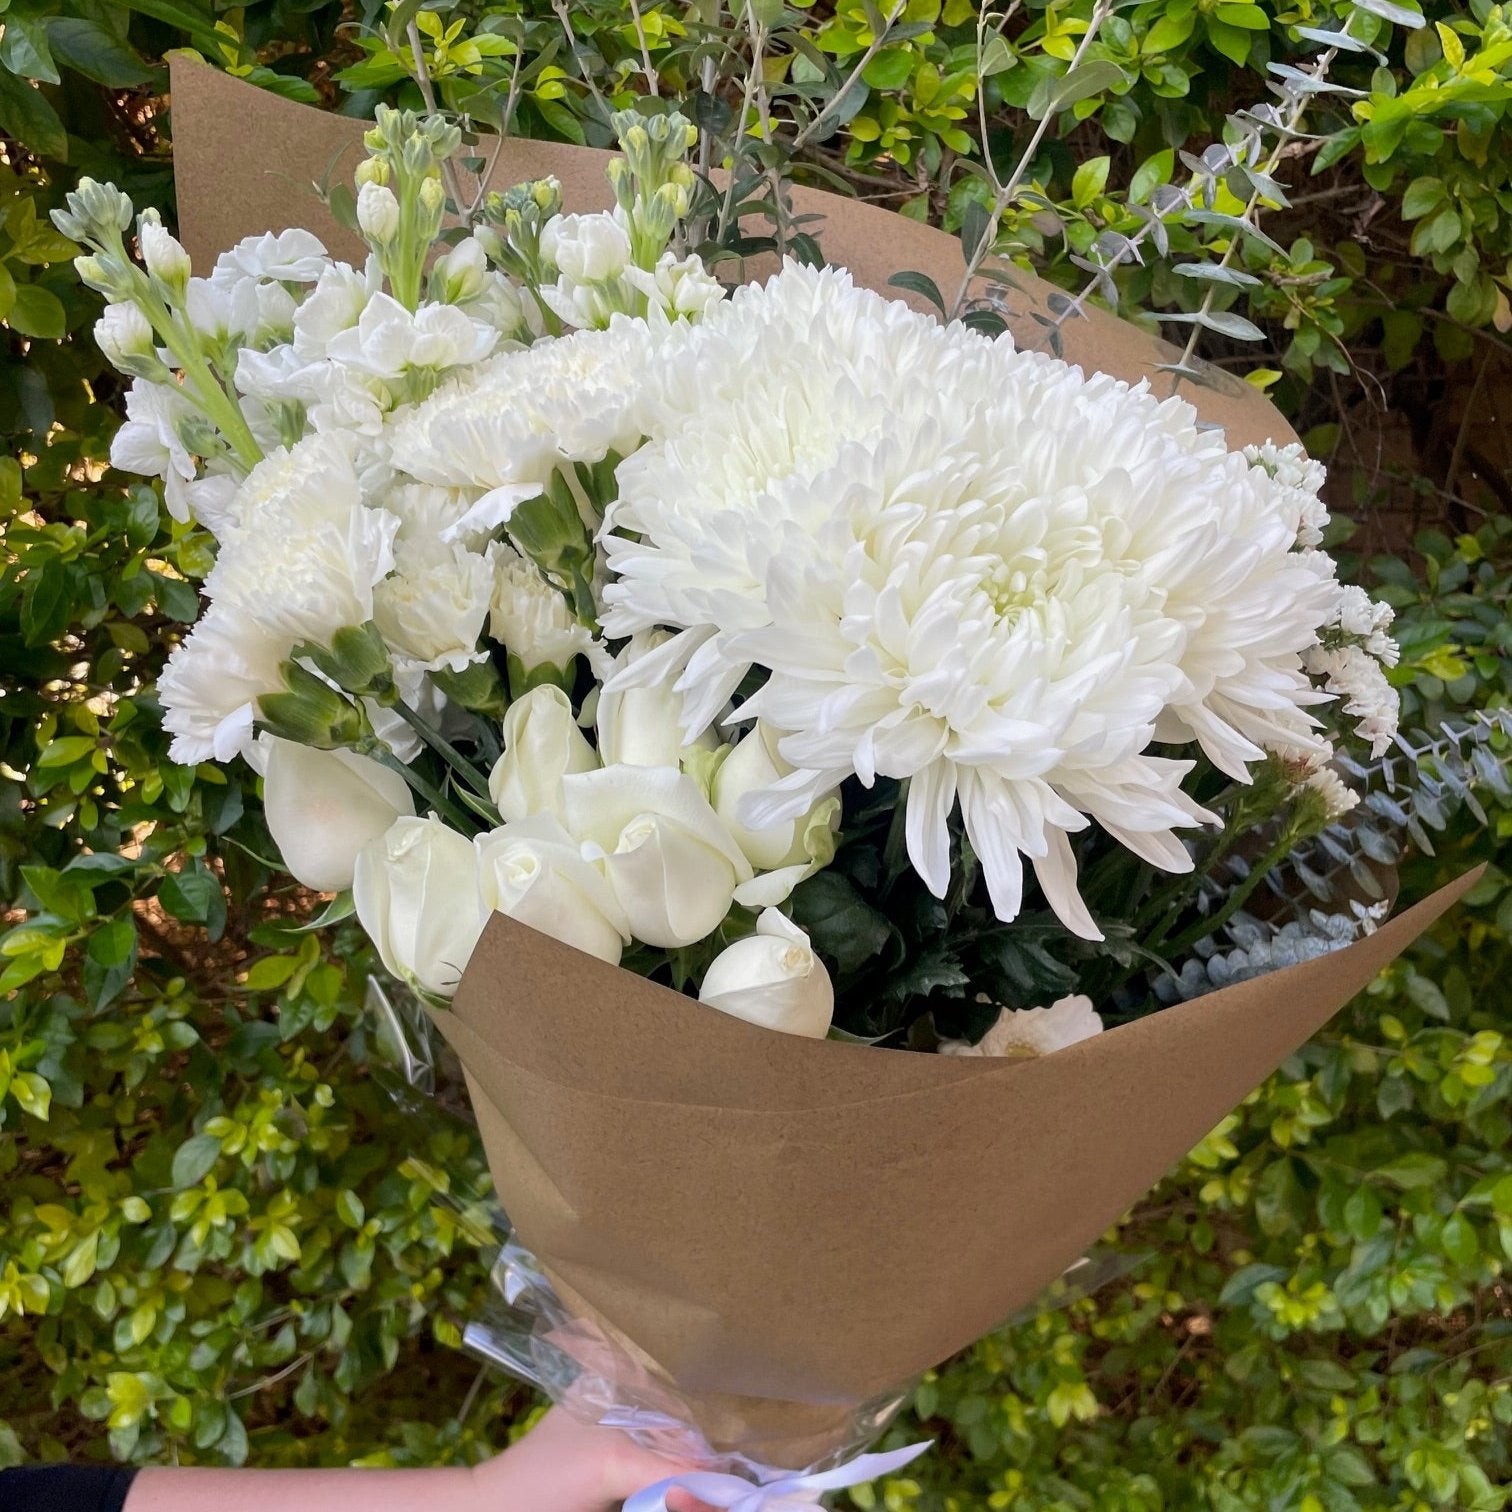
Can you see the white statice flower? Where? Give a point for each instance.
(975, 569)
(1337, 799)
(1023, 1033)
(1354, 675)
(505, 428)
(434, 607)
(303, 562)
(532, 620)
(1366, 621)
(293, 256)
(1300, 479)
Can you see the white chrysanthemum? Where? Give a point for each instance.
(434, 606)
(303, 553)
(508, 426)
(211, 684)
(967, 567)
(1028, 1032)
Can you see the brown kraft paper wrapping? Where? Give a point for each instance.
(246, 161)
(784, 1229)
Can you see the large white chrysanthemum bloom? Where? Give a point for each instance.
(508, 426)
(972, 568)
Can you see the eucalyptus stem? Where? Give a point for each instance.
(1236, 900)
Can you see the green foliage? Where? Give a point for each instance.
(222, 1238)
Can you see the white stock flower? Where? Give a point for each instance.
(292, 256)
(334, 305)
(772, 978)
(532, 620)
(322, 807)
(1023, 1033)
(532, 870)
(377, 213)
(389, 341)
(123, 332)
(542, 745)
(149, 441)
(642, 726)
(226, 312)
(416, 893)
(434, 606)
(506, 428)
(303, 553)
(587, 248)
(670, 861)
(162, 252)
(679, 288)
(461, 275)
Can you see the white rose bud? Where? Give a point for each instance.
(322, 807)
(416, 892)
(755, 764)
(378, 213)
(586, 248)
(642, 726)
(670, 861)
(123, 333)
(772, 978)
(163, 253)
(542, 744)
(532, 870)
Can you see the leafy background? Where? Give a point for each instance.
(223, 1241)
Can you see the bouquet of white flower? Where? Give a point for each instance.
(591, 623)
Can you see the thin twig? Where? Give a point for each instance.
(1006, 191)
(645, 51)
(563, 14)
(428, 94)
(807, 134)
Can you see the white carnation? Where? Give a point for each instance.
(210, 687)
(434, 606)
(1023, 1033)
(532, 620)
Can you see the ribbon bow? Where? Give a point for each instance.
(791, 1491)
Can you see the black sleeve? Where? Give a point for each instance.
(65, 1488)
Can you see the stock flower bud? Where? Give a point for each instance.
(378, 213)
(124, 336)
(163, 253)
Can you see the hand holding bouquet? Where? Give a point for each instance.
(606, 631)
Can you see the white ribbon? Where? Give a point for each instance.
(736, 1494)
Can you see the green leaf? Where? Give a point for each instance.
(891, 68)
(1423, 194)
(88, 48)
(194, 1160)
(23, 45)
(919, 283)
(1414, 1169)
(196, 897)
(1089, 180)
(37, 314)
(1079, 83)
(1459, 1240)
(26, 115)
(1247, 17)
(109, 959)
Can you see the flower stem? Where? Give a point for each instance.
(445, 750)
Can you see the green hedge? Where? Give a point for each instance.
(223, 1240)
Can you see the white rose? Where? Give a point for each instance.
(1023, 1033)
(671, 863)
(642, 726)
(532, 870)
(542, 745)
(162, 252)
(377, 213)
(532, 620)
(434, 606)
(416, 892)
(586, 248)
(322, 807)
(752, 766)
(772, 978)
